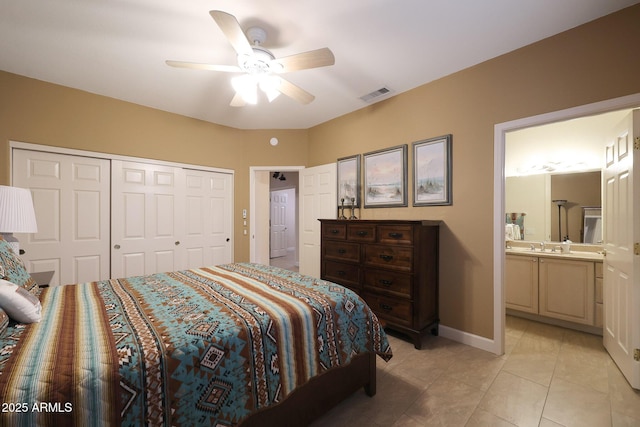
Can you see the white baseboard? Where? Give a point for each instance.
(469, 339)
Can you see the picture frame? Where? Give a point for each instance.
(349, 181)
(432, 166)
(385, 177)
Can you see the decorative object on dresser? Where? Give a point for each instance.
(392, 264)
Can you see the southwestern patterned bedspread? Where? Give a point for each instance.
(206, 346)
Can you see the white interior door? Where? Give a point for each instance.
(147, 218)
(318, 199)
(279, 208)
(71, 200)
(209, 218)
(621, 213)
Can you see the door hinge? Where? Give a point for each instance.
(636, 354)
(636, 143)
(636, 248)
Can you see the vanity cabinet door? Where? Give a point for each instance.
(521, 283)
(567, 290)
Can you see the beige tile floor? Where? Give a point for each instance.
(288, 262)
(548, 377)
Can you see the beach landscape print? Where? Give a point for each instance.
(349, 181)
(385, 177)
(432, 171)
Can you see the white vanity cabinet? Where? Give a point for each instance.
(564, 287)
(567, 290)
(521, 283)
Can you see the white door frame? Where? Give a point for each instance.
(254, 215)
(500, 131)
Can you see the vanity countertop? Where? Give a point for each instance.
(585, 253)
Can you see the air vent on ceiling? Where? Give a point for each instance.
(383, 91)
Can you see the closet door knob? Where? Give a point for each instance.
(177, 242)
(116, 246)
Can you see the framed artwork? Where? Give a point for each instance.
(432, 172)
(385, 178)
(349, 181)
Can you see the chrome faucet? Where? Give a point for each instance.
(542, 246)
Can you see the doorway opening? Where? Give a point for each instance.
(500, 135)
(260, 178)
(283, 220)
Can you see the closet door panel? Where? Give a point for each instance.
(147, 219)
(209, 222)
(71, 199)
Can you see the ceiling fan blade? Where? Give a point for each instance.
(237, 101)
(295, 92)
(200, 66)
(232, 31)
(302, 61)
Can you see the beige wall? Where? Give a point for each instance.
(42, 113)
(591, 63)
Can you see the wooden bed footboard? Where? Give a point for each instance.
(320, 394)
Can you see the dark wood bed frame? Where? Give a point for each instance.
(319, 395)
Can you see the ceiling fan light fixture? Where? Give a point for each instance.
(259, 64)
(269, 85)
(247, 87)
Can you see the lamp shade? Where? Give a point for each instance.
(16, 211)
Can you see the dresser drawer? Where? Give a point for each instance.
(361, 233)
(341, 251)
(395, 234)
(389, 281)
(392, 257)
(334, 231)
(394, 310)
(342, 273)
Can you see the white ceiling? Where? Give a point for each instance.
(118, 48)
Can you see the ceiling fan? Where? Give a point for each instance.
(259, 67)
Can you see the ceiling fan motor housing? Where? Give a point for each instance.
(258, 63)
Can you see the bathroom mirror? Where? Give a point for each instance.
(557, 161)
(547, 221)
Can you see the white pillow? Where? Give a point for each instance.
(19, 304)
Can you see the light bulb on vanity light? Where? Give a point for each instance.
(273, 141)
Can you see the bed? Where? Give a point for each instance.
(235, 344)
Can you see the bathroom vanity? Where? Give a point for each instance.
(549, 284)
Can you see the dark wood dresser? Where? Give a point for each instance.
(392, 264)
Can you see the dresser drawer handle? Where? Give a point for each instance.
(362, 233)
(395, 235)
(384, 282)
(386, 307)
(386, 257)
(334, 231)
(341, 273)
(342, 251)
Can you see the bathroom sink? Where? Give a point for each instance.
(548, 252)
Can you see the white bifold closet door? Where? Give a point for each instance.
(101, 218)
(147, 220)
(71, 200)
(168, 218)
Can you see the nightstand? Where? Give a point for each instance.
(43, 278)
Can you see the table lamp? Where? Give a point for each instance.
(16, 214)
